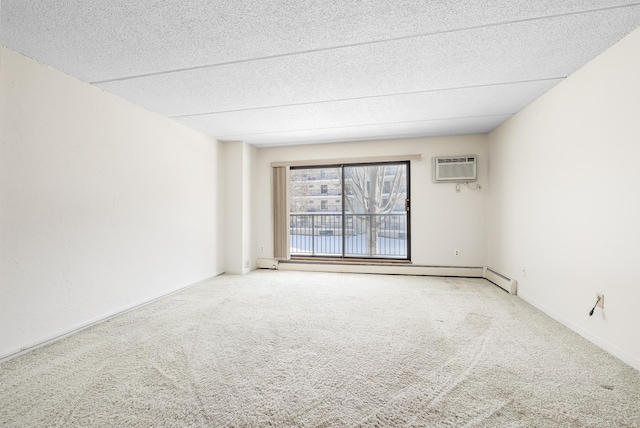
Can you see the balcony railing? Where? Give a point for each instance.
(361, 235)
(307, 193)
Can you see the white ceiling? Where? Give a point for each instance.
(273, 72)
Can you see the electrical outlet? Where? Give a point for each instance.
(456, 253)
(246, 263)
(524, 271)
(600, 296)
(261, 248)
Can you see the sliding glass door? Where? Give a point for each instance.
(357, 211)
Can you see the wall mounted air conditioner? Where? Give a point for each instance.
(454, 169)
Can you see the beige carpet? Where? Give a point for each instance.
(317, 350)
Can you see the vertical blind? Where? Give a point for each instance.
(281, 213)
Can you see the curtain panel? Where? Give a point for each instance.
(281, 220)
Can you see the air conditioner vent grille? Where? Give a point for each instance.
(456, 160)
(454, 168)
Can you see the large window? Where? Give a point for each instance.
(366, 217)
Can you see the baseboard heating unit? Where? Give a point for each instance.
(267, 264)
(508, 284)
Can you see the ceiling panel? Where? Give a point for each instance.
(523, 51)
(304, 71)
(473, 125)
(393, 109)
(101, 40)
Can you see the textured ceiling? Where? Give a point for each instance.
(293, 72)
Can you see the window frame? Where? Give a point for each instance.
(344, 256)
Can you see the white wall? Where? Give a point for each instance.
(565, 200)
(441, 219)
(239, 160)
(103, 205)
(249, 252)
(233, 207)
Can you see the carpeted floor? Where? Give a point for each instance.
(292, 349)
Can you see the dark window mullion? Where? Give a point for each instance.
(344, 235)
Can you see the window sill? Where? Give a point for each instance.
(348, 260)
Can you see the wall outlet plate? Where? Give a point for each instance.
(601, 301)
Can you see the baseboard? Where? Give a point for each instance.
(507, 284)
(375, 268)
(61, 335)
